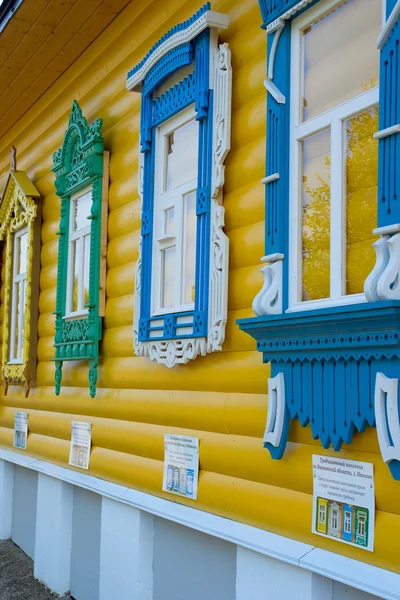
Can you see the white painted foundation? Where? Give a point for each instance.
(103, 541)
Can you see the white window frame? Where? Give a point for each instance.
(361, 521)
(322, 514)
(163, 201)
(335, 519)
(299, 131)
(76, 236)
(347, 521)
(15, 354)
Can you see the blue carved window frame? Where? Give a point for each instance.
(192, 90)
(330, 359)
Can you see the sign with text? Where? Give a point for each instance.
(81, 441)
(344, 500)
(181, 465)
(20, 430)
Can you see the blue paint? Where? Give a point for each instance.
(389, 147)
(272, 9)
(348, 535)
(329, 358)
(193, 89)
(181, 56)
(170, 33)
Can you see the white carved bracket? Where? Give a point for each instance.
(383, 283)
(275, 92)
(274, 46)
(387, 417)
(276, 411)
(222, 115)
(269, 300)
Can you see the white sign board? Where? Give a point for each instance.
(344, 501)
(81, 441)
(181, 465)
(20, 430)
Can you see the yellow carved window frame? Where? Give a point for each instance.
(19, 209)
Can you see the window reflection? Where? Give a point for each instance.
(182, 155)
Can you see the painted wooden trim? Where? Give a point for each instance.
(19, 191)
(387, 230)
(103, 234)
(394, 16)
(379, 135)
(270, 178)
(357, 574)
(274, 91)
(207, 20)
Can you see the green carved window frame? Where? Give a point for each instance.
(81, 164)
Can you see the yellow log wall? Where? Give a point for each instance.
(220, 398)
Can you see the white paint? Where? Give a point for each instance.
(270, 178)
(299, 131)
(269, 299)
(222, 85)
(276, 410)
(6, 498)
(274, 91)
(356, 574)
(390, 23)
(53, 533)
(272, 54)
(387, 416)
(262, 578)
(209, 19)
(287, 15)
(383, 283)
(387, 229)
(24, 504)
(379, 135)
(126, 552)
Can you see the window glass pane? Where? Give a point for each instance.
(189, 248)
(75, 261)
(340, 58)
(22, 253)
(86, 270)
(17, 301)
(169, 221)
(316, 195)
(168, 278)
(361, 197)
(82, 208)
(182, 155)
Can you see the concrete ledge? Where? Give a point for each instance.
(356, 574)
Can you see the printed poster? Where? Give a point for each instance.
(20, 430)
(344, 501)
(81, 441)
(181, 465)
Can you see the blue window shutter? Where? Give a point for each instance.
(277, 155)
(389, 115)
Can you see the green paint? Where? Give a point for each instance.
(77, 165)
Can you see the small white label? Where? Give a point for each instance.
(81, 441)
(344, 501)
(181, 465)
(20, 430)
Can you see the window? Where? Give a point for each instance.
(18, 294)
(361, 525)
(334, 166)
(181, 276)
(79, 255)
(20, 230)
(322, 513)
(334, 518)
(81, 170)
(347, 521)
(174, 262)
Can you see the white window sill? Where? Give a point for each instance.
(76, 315)
(327, 303)
(15, 361)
